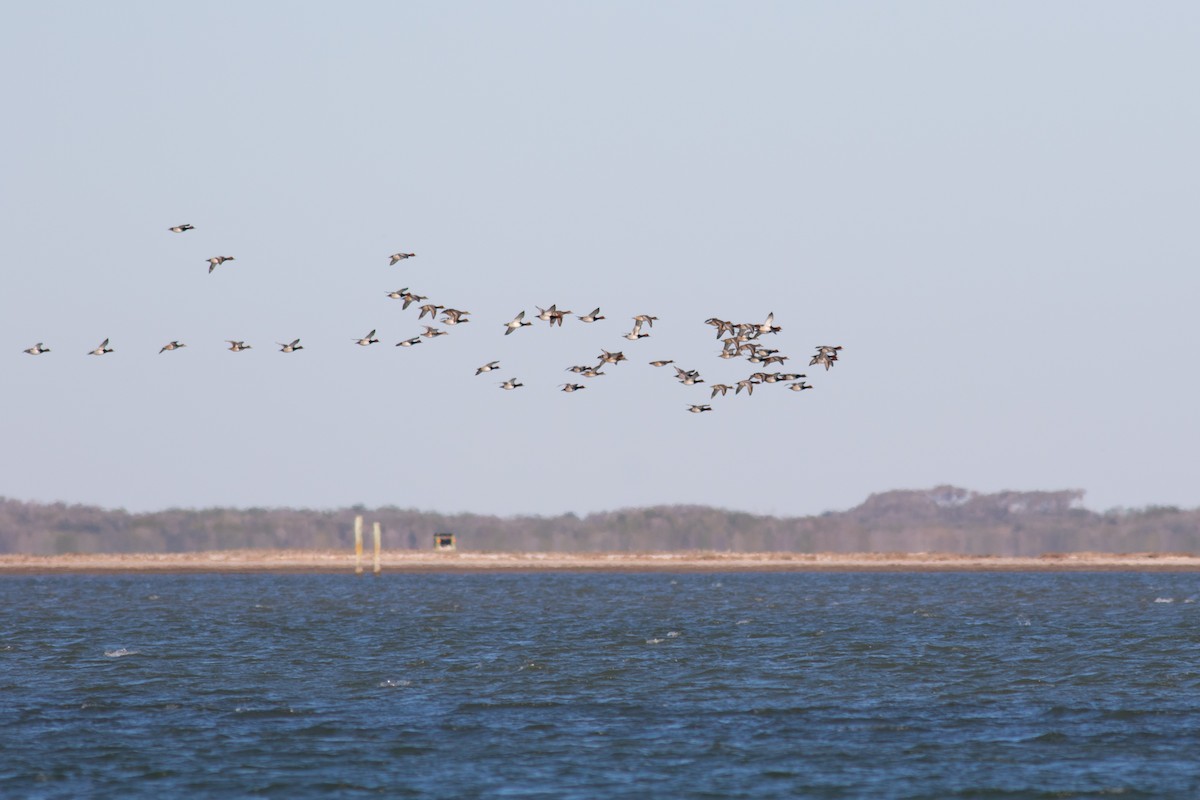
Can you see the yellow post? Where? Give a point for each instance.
(358, 545)
(377, 537)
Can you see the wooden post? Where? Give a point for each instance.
(358, 545)
(377, 537)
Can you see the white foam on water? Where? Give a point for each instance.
(672, 634)
(1164, 599)
(655, 641)
(121, 652)
(391, 684)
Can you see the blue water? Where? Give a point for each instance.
(596, 685)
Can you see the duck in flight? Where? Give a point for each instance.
(592, 317)
(172, 345)
(699, 409)
(409, 342)
(510, 384)
(217, 261)
(236, 346)
(408, 297)
(572, 387)
(430, 309)
(488, 367)
(825, 356)
(396, 258)
(552, 315)
(517, 323)
(636, 333)
(769, 326)
(368, 339)
(101, 349)
(292, 347)
(611, 358)
(37, 349)
(182, 228)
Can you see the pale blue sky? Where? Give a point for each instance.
(991, 206)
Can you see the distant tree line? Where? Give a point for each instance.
(943, 519)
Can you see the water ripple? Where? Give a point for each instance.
(580, 686)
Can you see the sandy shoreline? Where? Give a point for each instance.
(328, 561)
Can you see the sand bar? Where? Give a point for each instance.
(328, 561)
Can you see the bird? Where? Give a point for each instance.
(799, 387)
(646, 318)
(236, 346)
(551, 315)
(172, 345)
(662, 362)
(432, 333)
(182, 228)
(698, 409)
(101, 349)
(592, 317)
(636, 333)
(409, 342)
(396, 258)
(611, 358)
(722, 326)
(592, 372)
(719, 387)
(290, 348)
(452, 316)
(748, 384)
(368, 339)
(430, 309)
(410, 298)
(488, 367)
(825, 356)
(510, 384)
(572, 387)
(688, 377)
(217, 261)
(37, 349)
(769, 325)
(517, 323)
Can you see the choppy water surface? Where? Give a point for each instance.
(589, 685)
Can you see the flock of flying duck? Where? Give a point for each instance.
(738, 340)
